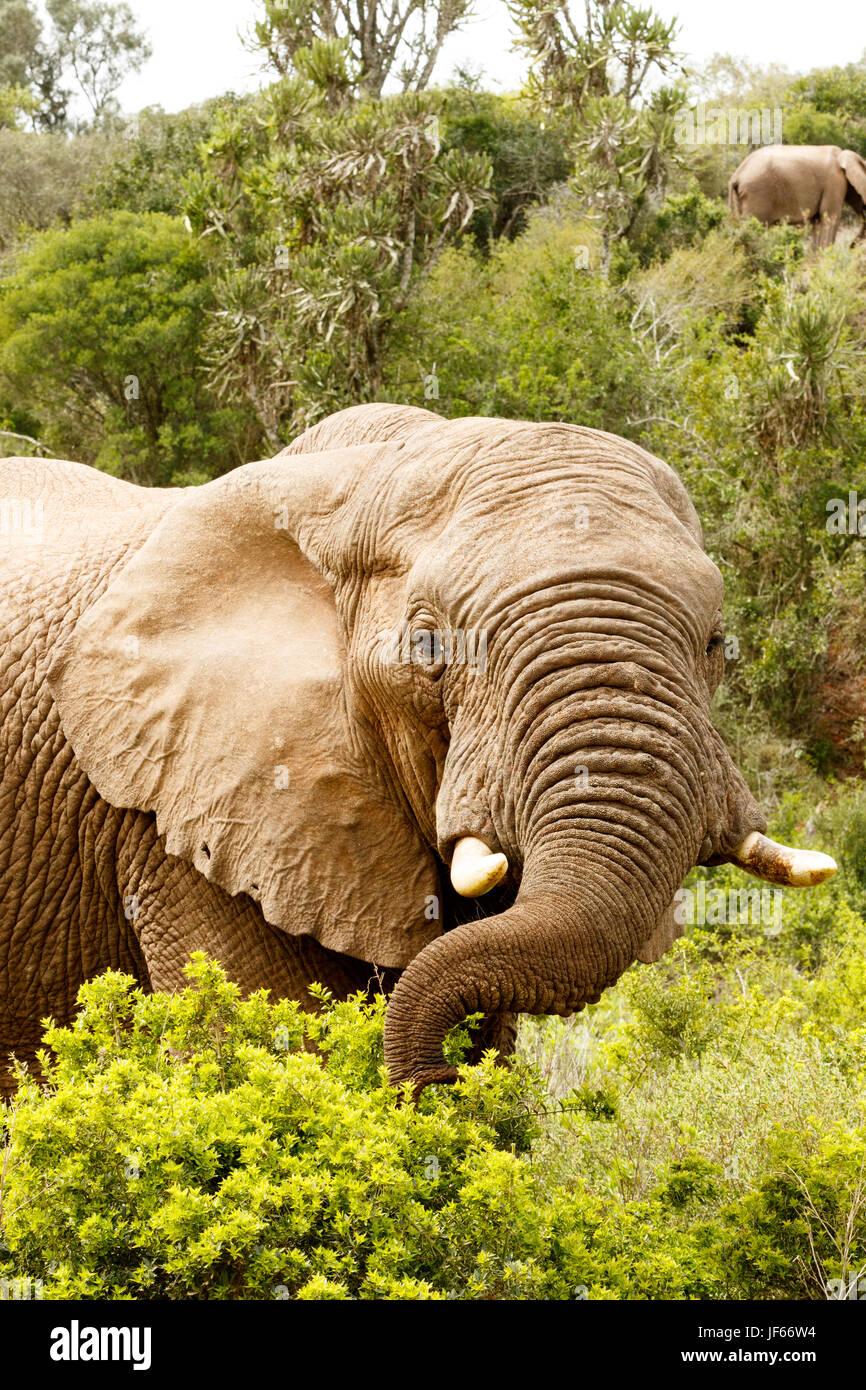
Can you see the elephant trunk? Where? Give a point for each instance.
(595, 884)
(555, 950)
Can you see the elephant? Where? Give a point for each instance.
(418, 705)
(803, 184)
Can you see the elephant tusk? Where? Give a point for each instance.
(475, 869)
(801, 868)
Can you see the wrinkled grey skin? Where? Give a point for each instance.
(807, 185)
(208, 743)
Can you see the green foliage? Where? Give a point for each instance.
(590, 73)
(320, 224)
(92, 44)
(761, 415)
(154, 157)
(671, 1016)
(624, 158)
(806, 125)
(44, 179)
(733, 1110)
(609, 50)
(683, 220)
(98, 44)
(803, 1228)
(199, 1149)
(349, 53)
(527, 157)
(830, 108)
(697, 1134)
(681, 302)
(535, 333)
(101, 326)
(771, 251)
(19, 41)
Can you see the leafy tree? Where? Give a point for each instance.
(101, 326)
(528, 156)
(20, 32)
(157, 152)
(95, 43)
(728, 80)
(622, 156)
(830, 109)
(321, 223)
(610, 52)
(533, 333)
(684, 219)
(45, 178)
(28, 65)
(99, 43)
(824, 107)
(593, 72)
(15, 102)
(804, 124)
(353, 47)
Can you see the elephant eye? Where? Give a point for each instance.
(428, 650)
(715, 644)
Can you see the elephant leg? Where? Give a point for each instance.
(23, 1039)
(175, 911)
(826, 225)
(60, 920)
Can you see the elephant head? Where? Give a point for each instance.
(406, 645)
(853, 166)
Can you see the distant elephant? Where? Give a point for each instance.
(263, 716)
(803, 184)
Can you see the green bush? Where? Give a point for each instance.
(191, 1147)
(204, 1146)
(684, 219)
(803, 1229)
(157, 153)
(528, 156)
(535, 333)
(101, 325)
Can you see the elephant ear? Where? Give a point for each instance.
(208, 685)
(855, 172)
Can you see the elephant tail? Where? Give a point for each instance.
(734, 200)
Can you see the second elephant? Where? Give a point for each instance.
(808, 185)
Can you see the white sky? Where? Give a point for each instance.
(197, 51)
